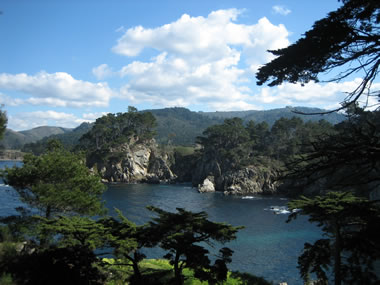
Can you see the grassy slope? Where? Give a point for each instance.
(159, 271)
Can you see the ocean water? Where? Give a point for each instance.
(267, 246)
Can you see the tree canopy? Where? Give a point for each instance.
(347, 39)
(113, 129)
(57, 182)
(183, 234)
(351, 245)
(3, 122)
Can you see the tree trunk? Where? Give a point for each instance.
(337, 256)
(44, 234)
(177, 270)
(136, 269)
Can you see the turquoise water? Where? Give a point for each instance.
(267, 247)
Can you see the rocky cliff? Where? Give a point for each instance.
(133, 162)
(144, 163)
(208, 176)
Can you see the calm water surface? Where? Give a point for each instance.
(267, 247)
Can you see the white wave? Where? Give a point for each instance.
(278, 210)
(248, 197)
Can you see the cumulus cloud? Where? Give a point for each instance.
(29, 120)
(102, 71)
(201, 60)
(278, 9)
(326, 96)
(58, 89)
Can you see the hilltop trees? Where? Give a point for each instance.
(347, 38)
(113, 129)
(235, 145)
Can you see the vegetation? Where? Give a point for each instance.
(347, 38)
(55, 183)
(183, 235)
(351, 243)
(61, 196)
(160, 271)
(235, 145)
(115, 129)
(175, 127)
(3, 122)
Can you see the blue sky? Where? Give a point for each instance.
(66, 62)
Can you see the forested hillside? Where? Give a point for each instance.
(175, 126)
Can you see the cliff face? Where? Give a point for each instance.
(208, 176)
(134, 162)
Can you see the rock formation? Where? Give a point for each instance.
(134, 162)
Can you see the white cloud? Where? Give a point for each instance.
(9, 101)
(278, 9)
(57, 89)
(93, 116)
(327, 96)
(102, 71)
(201, 60)
(29, 120)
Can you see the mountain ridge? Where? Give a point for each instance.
(177, 125)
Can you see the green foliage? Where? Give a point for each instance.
(351, 225)
(68, 138)
(77, 231)
(57, 182)
(182, 233)
(347, 37)
(349, 156)
(159, 271)
(3, 122)
(114, 129)
(235, 145)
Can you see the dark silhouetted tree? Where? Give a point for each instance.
(347, 39)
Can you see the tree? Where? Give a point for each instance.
(183, 235)
(346, 39)
(3, 122)
(113, 129)
(127, 239)
(349, 157)
(351, 227)
(226, 142)
(56, 183)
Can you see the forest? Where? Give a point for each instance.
(58, 237)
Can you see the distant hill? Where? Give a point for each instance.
(180, 126)
(69, 139)
(15, 140)
(177, 126)
(270, 116)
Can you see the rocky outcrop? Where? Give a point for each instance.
(134, 162)
(248, 180)
(207, 185)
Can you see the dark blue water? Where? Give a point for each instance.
(267, 247)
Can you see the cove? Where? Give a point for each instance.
(267, 247)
